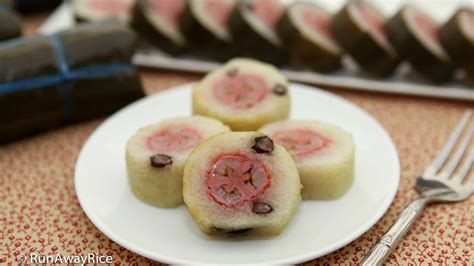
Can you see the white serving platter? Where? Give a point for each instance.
(402, 82)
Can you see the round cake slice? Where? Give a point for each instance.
(306, 33)
(241, 182)
(156, 154)
(158, 22)
(244, 94)
(254, 22)
(98, 10)
(358, 28)
(457, 38)
(323, 153)
(205, 27)
(414, 34)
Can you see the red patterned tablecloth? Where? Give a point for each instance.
(39, 211)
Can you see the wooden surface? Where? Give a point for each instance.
(39, 211)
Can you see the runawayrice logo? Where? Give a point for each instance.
(91, 258)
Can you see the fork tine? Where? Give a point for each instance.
(436, 164)
(461, 174)
(449, 169)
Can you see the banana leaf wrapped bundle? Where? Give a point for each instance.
(47, 81)
(10, 26)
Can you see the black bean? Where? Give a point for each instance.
(263, 144)
(279, 89)
(261, 207)
(232, 72)
(160, 160)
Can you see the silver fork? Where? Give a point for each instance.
(437, 184)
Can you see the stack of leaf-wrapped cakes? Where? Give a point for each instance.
(249, 180)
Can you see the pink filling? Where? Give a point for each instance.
(169, 10)
(111, 7)
(300, 142)
(241, 90)
(269, 11)
(427, 26)
(219, 10)
(374, 21)
(235, 178)
(318, 21)
(174, 138)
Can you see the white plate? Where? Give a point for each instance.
(169, 235)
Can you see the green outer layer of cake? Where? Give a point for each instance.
(29, 111)
(202, 41)
(422, 60)
(457, 44)
(250, 42)
(372, 57)
(10, 26)
(37, 110)
(16, 63)
(304, 53)
(94, 43)
(147, 30)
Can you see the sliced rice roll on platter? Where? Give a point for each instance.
(305, 30)
(414, 34)
(205, 27)
(358, 28)
(156, 154)
(323, 153)
(247, 186)
(99, 10)
(254, 23)
(244, 94)
(158, 22)
(457, 38)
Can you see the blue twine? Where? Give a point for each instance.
(65, 75)
(92, 72)
(60, 55)
(65, 86)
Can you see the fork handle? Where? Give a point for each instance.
(382, 249)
